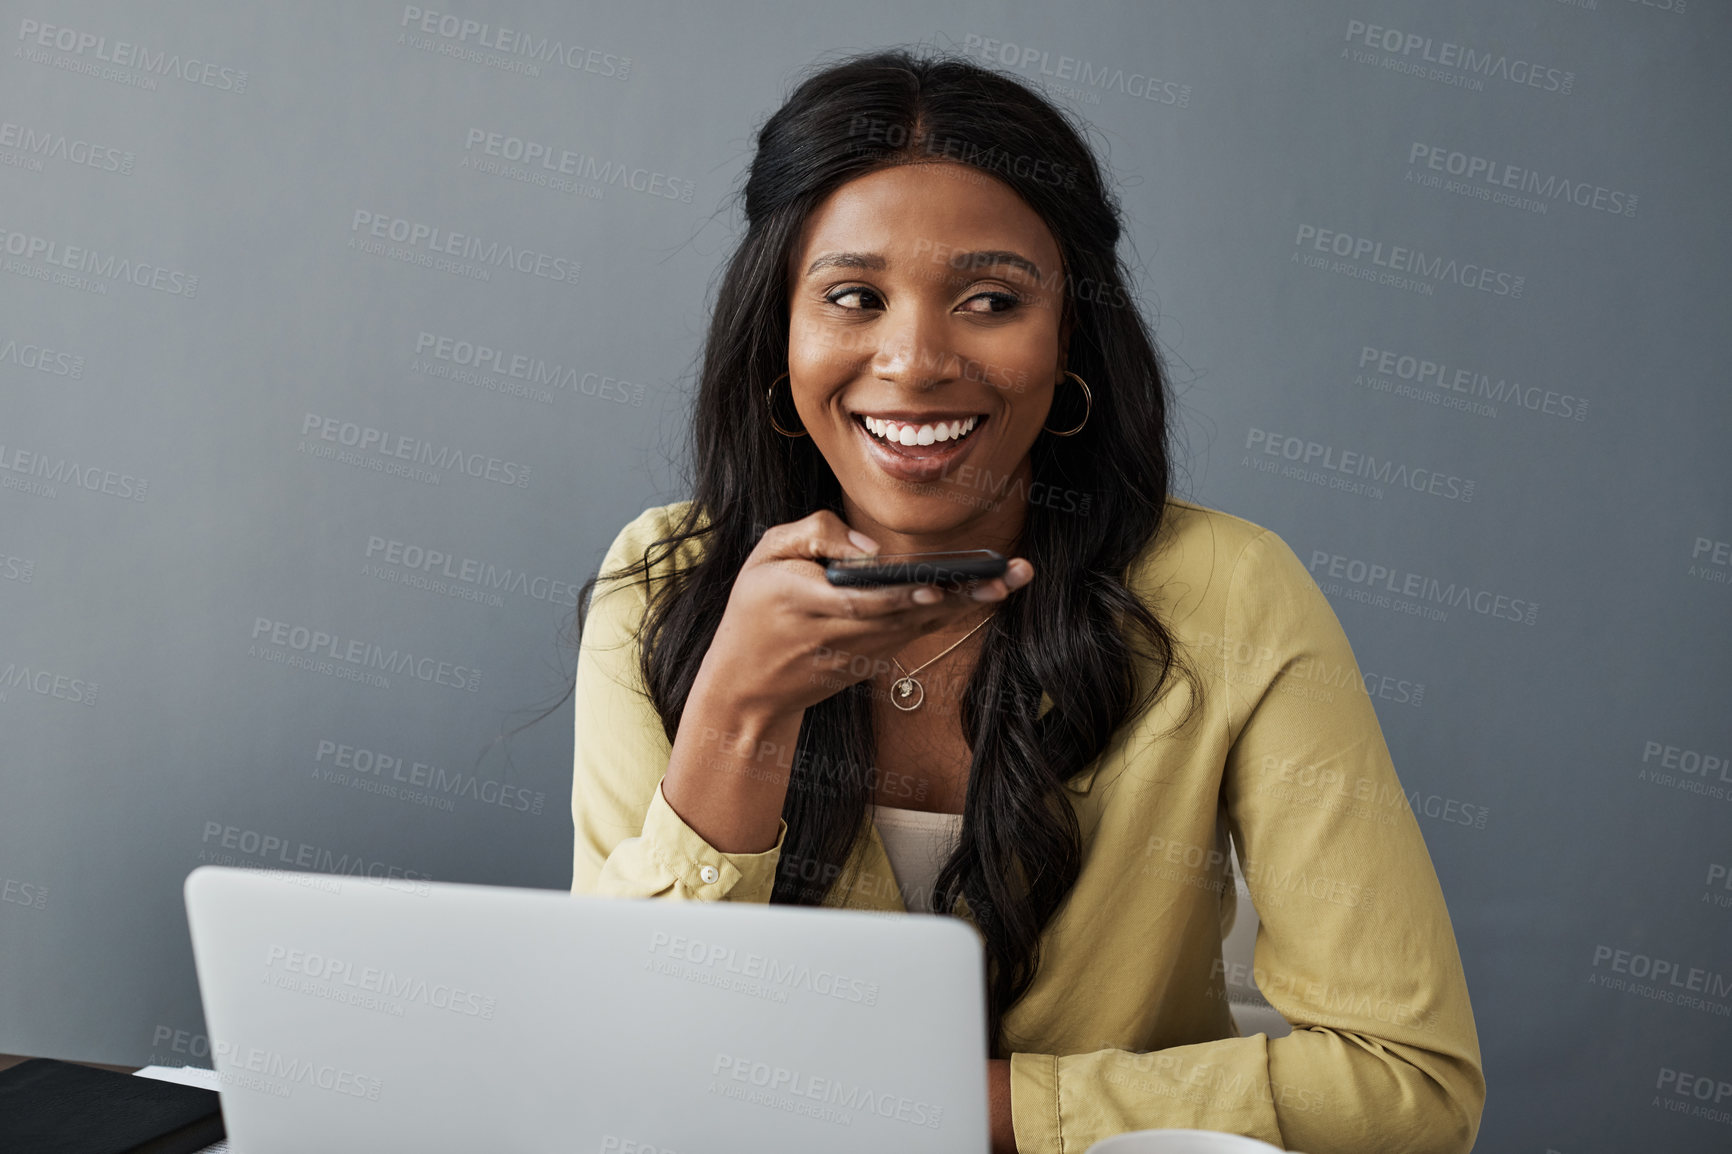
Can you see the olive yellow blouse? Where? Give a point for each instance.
(1127, 1025)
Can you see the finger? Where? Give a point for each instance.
(993, 590)
(955, 596)
(898, 626)
(1018, 573)
(822, 535)
(876, 602)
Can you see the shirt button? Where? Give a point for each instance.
(709, 874)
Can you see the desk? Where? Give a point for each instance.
(7, 1061)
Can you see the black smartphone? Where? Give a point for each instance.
(947, 569)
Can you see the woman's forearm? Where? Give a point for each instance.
(998, 1106)
(728, 772)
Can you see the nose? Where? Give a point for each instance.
(914, 350)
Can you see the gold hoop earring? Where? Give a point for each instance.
(770, 401)
(1088, 402)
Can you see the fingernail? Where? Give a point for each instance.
(926, 595)
(862, 542)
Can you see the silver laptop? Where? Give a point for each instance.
(354, 1014)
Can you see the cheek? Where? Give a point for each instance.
(820, 348)
(1026, 343)
(814, 373)
(1037, 348)
(1018, 359)
(1029, 410)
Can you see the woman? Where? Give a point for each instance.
(924, 342)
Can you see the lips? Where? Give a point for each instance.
(917, 461)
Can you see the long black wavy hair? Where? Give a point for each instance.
(1076, 633)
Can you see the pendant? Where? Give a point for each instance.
(904, 689)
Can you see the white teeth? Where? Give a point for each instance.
(902, 434)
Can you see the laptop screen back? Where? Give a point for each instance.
(354, 1014)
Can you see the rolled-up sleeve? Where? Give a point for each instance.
(628, 840)
(1354, 948)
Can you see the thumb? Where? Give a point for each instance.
(824, 535)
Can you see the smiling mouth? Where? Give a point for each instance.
(920, 452)
(909, 435)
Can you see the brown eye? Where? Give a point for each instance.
(836, 298)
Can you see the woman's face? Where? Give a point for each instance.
(926, 303)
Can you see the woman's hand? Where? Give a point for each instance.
(789, 639)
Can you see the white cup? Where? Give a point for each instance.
(1181, 1142)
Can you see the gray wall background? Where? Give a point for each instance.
(196, 316)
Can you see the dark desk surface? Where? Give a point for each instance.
(9, 1060)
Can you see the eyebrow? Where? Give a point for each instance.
(961, 261)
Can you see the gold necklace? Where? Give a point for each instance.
(906, 686)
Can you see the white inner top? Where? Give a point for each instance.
(917, 843)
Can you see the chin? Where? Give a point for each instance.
(933, 507)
